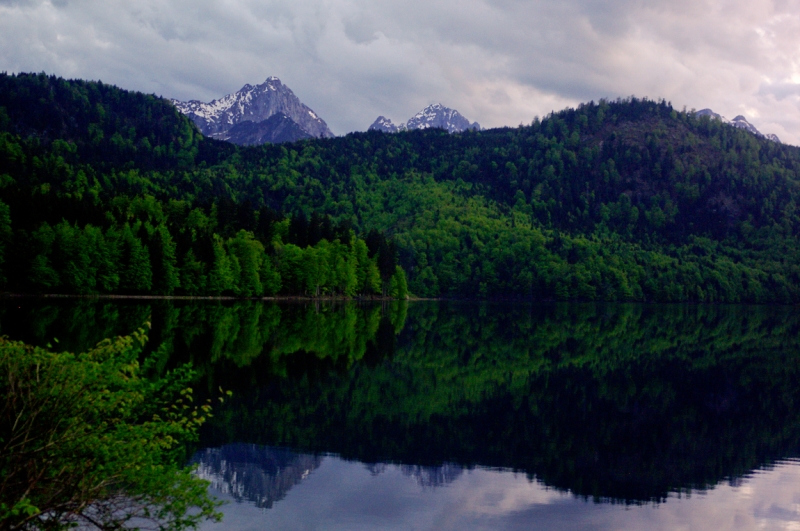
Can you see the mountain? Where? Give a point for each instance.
(276, 129)
(437, 115)
(432, 116)
(739, 122)
(255, 104)
(384, 125)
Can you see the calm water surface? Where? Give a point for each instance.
(478, 416)
(331, 493)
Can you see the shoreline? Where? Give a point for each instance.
(301, 298)
(8, 295)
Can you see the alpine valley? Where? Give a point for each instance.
(104, 190)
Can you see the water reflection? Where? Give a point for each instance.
(258, 474)
(619, 403)
(429, 477)
(627, 404)
(350, 495)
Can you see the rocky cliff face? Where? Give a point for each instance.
(276, 129)
(436, 115)
(255, 104)
(740, 122)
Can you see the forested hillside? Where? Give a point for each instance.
(108, 191)
(625, 200)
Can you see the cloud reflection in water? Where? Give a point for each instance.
(341, 495)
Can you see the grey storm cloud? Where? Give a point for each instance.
(500, 62)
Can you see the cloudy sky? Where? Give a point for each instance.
(500, 62)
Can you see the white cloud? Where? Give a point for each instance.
(499, 62)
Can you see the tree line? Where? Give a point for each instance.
(614, 200)
(168, 249)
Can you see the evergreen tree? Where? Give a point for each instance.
(136, 273)
(249, 254)
(163, 252)
(221, 275)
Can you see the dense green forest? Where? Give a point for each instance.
(109, 191)
(98, 197)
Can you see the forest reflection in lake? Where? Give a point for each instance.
(628, 405)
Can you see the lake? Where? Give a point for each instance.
(441, 415)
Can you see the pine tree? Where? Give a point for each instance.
(136, 274)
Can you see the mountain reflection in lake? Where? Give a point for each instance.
(345, 495)
(437, 415)
(257, 474)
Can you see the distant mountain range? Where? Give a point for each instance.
(269, 112)
(436, 115)
(740, 122)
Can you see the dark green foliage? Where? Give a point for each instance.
(624, 200)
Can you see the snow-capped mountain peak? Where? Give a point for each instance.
(742, 123)
(436, 115)
(383, 124)
(255, 104)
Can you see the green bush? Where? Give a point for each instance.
(87, 440)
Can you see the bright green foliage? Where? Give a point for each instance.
(192, 275)
(136, 272)
(86, 439)
(342, 269)
(221, 277)
(398, 288)
(290, 258)
(270, 278)
(249, 254)
(368, 277)
(165, 268)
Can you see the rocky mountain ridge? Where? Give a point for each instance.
(276, 129)
(436, 115)
(256, 105)
(739, 122)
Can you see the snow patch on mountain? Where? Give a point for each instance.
(739, 122)
(436, 115)
(383, 124)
